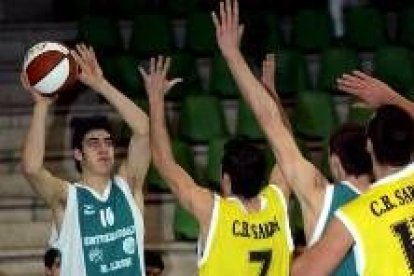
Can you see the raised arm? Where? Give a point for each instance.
(135, 166)
(373, 91)
(291, 161)
(50, 188)
(268, 81)
(195, 199)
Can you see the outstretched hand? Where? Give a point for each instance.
(228, 29)
(90, 72)
(155, 79)
(371, 90)
(269, 72)
(36, 95)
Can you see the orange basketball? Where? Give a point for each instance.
(50, 68)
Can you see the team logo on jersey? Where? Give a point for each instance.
(88, 210)
(96, 255)
(129, 245)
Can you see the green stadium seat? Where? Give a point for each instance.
(123, 70)
(359, 113)
(364, 28)
(261, 34)
(181, 8)
(324, 165)
(315, 116)
(222, 83)
(100, 32)
(406, 27)
(201, 119)
(186, 227)
(201, 37)
(274, 38)
(410, 94)
(334, 63)
(291, 73)
(393, 65)
(247, 124)
(154, 40)
(311, 30)
(183, 66)
(128, 9)
(183, 154)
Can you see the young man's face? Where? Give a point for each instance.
(97, 154)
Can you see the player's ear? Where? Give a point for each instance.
(77, 154)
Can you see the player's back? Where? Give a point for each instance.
(336, 195)
(248, 243)
(382, 222)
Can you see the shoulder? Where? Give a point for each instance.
(277, 193)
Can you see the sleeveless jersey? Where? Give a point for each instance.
(101, 235)
(381, 222)
(248, 243)
(336, 196)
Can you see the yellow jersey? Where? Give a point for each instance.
(381, 222)
(242, 243)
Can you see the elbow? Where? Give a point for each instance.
(29, 170)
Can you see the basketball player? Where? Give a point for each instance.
(351, 168)
(379, 222)
(99, 218)
(317, 198)
(249, 218)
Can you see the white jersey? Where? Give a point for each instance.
(98, 235)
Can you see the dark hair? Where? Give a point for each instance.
(391, 132)
(153, 259)
(82, 125)
(349, 144)
(246, 165)
(50, 257)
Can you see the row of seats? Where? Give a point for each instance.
(202, 122)
(392, 64)
(316, 112)
(311, 31)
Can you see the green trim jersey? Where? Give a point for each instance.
(336, 196)
(101, 235)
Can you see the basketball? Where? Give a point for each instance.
(50, 67)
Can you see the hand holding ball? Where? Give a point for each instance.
(50, 68)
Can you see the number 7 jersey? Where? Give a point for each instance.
(381, 222)
(248, 243)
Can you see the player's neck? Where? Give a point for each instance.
(253, 204)
(361, 182)
(381, 171)
(96, 182)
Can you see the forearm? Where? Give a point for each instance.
(258, 98)
(34, 144)
(285, 118)
(403, 103)
(136, 119)
(160, 142)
